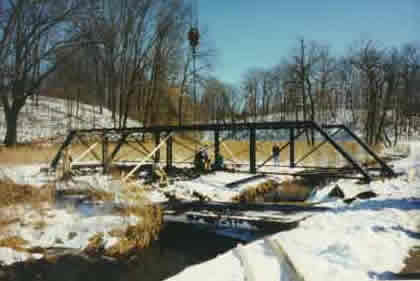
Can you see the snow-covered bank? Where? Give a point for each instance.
(362, 241)
(62, 228)
(52, 118)
(212, 186)
(67, 223)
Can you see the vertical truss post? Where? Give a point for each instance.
(252, 151)
(105, 163)
(169, 152)
(157, 141)
(216, 142)
(292, 147)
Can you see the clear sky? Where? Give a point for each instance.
(258, 33)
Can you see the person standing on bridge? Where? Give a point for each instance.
(276, 155)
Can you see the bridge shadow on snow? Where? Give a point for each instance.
(403, 204)
(388, 275)
(409, 233)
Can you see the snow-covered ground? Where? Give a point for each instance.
(50, 226)
(62, 228)
(212, 186)
(61, 224)
(365, 240)
(362, 241)
(52, 118)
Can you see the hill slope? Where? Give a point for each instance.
(53, 117)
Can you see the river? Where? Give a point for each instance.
(178, 247)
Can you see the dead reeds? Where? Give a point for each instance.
(251, 194)
(184, 149)
(140, 235)
(13, 193)
(14, 242)
(284, 191)
(27, 154)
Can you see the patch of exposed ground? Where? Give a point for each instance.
(412, 263)
(274, 191)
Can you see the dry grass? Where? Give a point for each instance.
(412, 262)
(294, 190)
(14, 242)
(27, 154)
(5, 221)
(326, 155)
(99, 195)
(285, 191)
(251, 194)
(38, 153)
(39, 224)
(134, 193)
(140, 235)
(96, 244)
(184, 148)
(13, 193)
(134, 236)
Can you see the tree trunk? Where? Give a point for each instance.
(11, 129)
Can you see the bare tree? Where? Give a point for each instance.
(408, 99)
(369, 60)
(219, 102)
(139, 57)
(28, 28)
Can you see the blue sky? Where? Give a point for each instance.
(252, 33)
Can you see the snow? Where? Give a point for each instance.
(50, 119)
(212, 185)
(64, 228)
(62, 222)
(361, 241)
(53, 225)
(224, 267)
(10, 256)
(24, 174)
(365, 240)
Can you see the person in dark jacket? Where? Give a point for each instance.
(201, 160)
(276, 155)
(218, 162)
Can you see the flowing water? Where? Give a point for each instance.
(178, 246)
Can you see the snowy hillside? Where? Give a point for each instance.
(53, 118)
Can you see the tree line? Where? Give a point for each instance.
(372, 87)
(133, 58)
(130, 56)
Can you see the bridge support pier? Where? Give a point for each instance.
(169, 152)
(157, 142)
(105, 162)
(216, 142)
(292, 148)
(252, 151)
